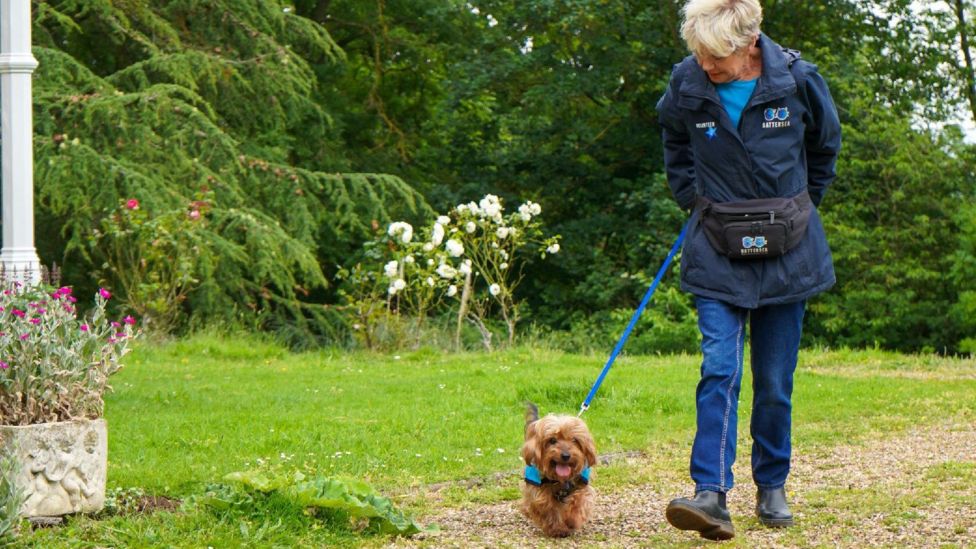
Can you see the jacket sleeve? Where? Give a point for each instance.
(822, 140)
(679, 159)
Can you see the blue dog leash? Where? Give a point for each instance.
(633, 319)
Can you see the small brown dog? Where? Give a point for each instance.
(559, 453)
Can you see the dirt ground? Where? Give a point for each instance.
(913, 490)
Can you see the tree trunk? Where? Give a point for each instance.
(964, 44)
(463, 311)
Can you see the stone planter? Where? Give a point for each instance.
(63, 465)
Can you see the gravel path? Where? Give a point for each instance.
(913, 490)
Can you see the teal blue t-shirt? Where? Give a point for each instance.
(734, 96)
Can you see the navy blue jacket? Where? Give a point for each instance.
(787, 142)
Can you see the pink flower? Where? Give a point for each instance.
(104, 293)
(194, 214)
(23, 337)
(35, 321)
(116, 324)
(129, 320)
(132, 204)
(111, 340)
(83, 327)
(3, 365)
(72, 299)
(41, 311)
(18, 313)
(60, 292)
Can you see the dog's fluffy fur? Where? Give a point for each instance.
(561, 447)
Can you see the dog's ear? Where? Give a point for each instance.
(532, 449)
(589, 448)
(586, 443)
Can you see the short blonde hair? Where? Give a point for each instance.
(719, 27)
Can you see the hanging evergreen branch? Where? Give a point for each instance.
(165, 104)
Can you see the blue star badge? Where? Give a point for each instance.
(710, 132)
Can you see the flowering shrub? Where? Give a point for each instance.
(472, 256)
(152, 258)
(54, 365)
(491, 244)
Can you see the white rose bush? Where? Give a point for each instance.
(468, 261)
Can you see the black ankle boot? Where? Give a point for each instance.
(706, 514)
(771, 508)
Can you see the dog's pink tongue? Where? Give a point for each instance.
(563, 471)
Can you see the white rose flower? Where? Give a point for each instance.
(391, 290)
(430, 281)
(430, 262)
(451, 290)
(465, 267)
(390, 269)
(490, 206)
(446, 271)
(502, 232)
(443, 220)
(399, 284)
(503, 253)
(454, 248)
(534, 208)
(405, 230)
(461, 208)
(470, 227)
(408, 259)
(428, 247)
(553, 249)
(494, 289)
(437, 235)
(503, 266)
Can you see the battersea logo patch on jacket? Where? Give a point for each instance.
(778, 117)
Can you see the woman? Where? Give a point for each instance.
(747, 126)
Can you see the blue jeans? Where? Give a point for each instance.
(775, 336)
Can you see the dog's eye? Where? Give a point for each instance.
(552, 441)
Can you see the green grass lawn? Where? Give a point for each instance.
(187, 413)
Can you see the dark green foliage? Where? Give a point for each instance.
(895, 235)
(164, 103)
(288, 112)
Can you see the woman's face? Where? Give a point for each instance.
(735, 66)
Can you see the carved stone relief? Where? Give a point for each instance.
(63, 465)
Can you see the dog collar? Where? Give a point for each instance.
(534, 476)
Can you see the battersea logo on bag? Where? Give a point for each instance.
(754, 245)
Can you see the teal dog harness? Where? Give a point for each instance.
(534, 477)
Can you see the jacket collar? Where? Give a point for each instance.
(775, 81)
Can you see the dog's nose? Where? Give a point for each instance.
(565, 456)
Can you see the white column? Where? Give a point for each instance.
(16, 65)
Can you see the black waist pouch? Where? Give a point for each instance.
(755, 229)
